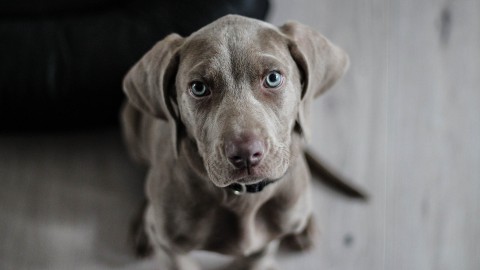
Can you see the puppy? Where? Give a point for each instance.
(220, 119)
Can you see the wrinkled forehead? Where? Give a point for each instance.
(234, 45)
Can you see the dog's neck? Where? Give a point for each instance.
(240, 189)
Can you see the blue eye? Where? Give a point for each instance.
(273, 80)
(199, 89)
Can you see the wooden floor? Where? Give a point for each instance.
(404, 123)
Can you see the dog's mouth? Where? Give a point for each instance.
(248, 175)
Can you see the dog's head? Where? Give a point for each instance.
(239, 88)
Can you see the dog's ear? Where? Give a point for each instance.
(150, 83)
(321, 64)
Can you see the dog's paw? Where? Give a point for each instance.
(264, 264)
(297, 243)
(303, 241)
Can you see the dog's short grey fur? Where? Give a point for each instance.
(182, 138)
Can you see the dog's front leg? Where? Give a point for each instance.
(301, 241)
(262, 260)
(168, 258)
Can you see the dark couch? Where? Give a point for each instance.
(62, 62)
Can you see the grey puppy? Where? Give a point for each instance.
(220, 119)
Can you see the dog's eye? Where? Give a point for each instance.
(199, 89)
(273, 80)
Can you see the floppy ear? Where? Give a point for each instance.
(321, 64)
(150, 83)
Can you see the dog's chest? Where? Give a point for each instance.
(231, 224)
(243, 231)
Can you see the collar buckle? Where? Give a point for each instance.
(238, 189)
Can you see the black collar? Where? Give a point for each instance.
(239, 189)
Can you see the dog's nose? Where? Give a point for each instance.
(246, 152)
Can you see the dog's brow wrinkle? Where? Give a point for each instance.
(268, 56)
(198, 66)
